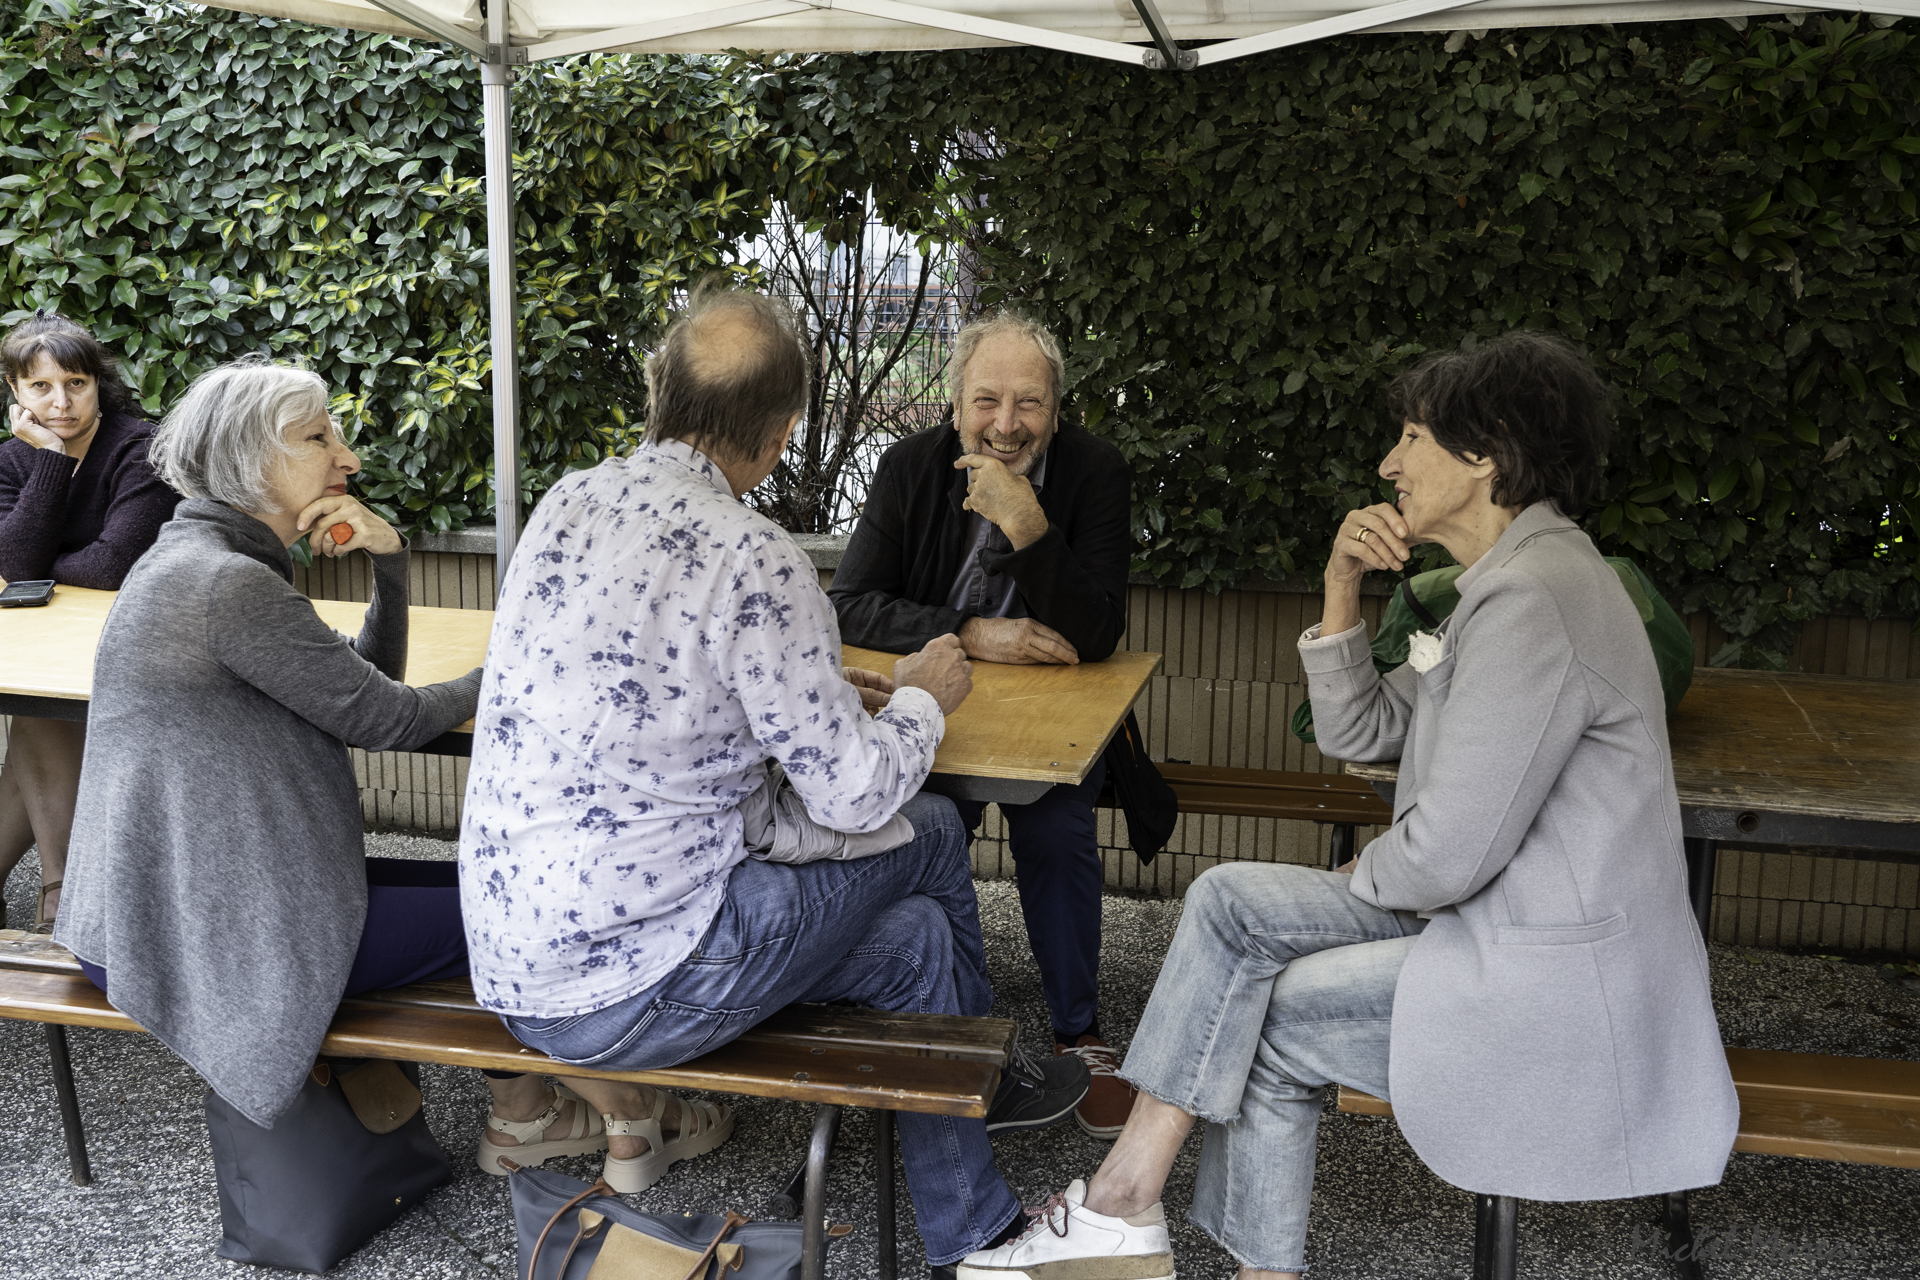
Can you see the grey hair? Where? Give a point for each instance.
(226, 437)
(993, 325)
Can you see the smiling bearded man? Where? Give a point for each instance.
(1010, 529)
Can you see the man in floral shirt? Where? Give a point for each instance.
(657, 645)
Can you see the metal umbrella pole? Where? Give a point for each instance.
(496, 93)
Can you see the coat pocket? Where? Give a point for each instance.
(1558, 935)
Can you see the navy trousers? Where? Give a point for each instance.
(1056, 859)
(413, 931)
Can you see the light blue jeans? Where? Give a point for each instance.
(899, 930)
(1279, 982)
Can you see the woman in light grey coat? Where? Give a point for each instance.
(1514, 963)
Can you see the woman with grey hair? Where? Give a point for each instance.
(217, 883)
(218, 887)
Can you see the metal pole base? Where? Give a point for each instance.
(69, 1104)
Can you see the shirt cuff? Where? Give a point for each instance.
(918, 703)
(1311, 636)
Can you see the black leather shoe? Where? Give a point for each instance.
(1037, 1092)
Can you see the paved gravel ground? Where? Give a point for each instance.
(1377, 1212)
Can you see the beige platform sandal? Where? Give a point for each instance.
(586, 1135)
(42, 922)
(702, 1128)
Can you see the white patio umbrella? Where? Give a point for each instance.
(1142, 33)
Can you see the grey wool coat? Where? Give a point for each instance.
(1553, 1036)
(217, 868)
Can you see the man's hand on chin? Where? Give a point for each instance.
(1016, 640)
(1004, 498)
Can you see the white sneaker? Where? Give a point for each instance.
(1067, 1241)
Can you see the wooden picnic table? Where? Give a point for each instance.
(1023, 729)
(1765, 757)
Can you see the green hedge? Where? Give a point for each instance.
(199, 184)
(1242, 257)
(1245, 256)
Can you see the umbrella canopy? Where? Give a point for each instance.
(1155, 34)
(1116, 29)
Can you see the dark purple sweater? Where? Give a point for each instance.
(83, 528)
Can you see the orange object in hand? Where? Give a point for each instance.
(342, 534)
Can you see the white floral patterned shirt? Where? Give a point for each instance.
(656, 642)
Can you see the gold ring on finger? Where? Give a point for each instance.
(1363, 535)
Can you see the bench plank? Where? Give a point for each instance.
(1272, 793)
(866, 1075)
(1814, 1105)
(921, 1034)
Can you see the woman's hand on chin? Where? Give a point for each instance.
(322, 517)
(1375, 537)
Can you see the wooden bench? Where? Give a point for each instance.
(1813, 1105)
(829, 1055)
(1331, 799)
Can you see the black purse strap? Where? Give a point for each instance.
(1413, 603)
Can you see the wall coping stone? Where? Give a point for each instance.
(825, 550)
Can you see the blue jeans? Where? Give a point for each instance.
(897, 931)
(1056, 856)
(1279, 982)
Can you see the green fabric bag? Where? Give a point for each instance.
(1672, 642)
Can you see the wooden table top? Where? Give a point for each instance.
(1039, 723)
(1028, 723)
(1839, 747)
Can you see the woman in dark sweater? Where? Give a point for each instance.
(78, 504)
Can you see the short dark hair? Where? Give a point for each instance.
(1530, 401)
(729, 374)
(70, 347)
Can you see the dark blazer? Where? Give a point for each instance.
(892, 584)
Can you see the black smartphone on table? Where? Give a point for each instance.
(26, 594)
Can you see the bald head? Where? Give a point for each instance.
(729, 375)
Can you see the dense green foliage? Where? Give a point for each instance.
(196, 185)
(1244, 257)
(1241, 258)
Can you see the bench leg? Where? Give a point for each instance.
(69, 1104)
(1701, 855)
(1339, 845)
(1677, 1225)
(1495, 1240)
(888, 1255)
(813, 1209)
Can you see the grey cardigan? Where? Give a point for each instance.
(217, 868)
(1553, 1035)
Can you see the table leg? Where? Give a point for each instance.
(1701, 856)
(63, 1090)
(1495, 1239)
(1339, 845)
(889, 1261)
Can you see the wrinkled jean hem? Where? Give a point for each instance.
(1159, 1096)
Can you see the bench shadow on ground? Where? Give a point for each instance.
(1377, 1212)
